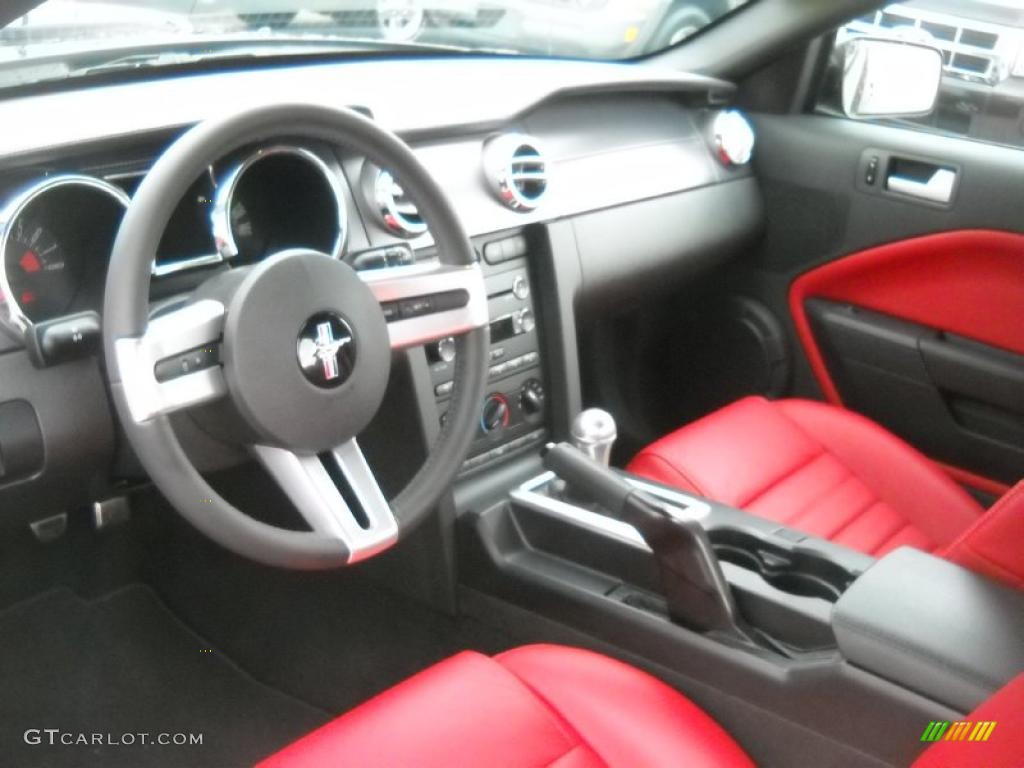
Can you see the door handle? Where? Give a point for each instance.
(937, 189)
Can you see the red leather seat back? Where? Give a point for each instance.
(816, 468)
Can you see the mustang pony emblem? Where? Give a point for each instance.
(326, 350)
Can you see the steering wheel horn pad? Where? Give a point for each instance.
(269, 317)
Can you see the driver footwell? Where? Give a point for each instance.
(102, 673)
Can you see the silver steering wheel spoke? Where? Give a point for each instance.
(175, 364)
(427, 303)
(307, 481)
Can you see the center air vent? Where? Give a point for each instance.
(517, 170)
(394, 209)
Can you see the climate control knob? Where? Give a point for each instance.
(495, 414)
(531, 397)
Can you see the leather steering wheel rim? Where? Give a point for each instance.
(126, 319)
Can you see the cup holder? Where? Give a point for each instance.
(796, 572)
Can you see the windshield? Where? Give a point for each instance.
(62, 38)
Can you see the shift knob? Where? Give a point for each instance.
(593, 432)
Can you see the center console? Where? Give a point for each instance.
(514, 412)
(787, 623)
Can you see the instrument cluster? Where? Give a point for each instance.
(56, 234)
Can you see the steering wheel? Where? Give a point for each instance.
(290, 357)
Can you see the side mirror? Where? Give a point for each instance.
(889, 78)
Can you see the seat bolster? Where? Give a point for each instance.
(651, 464)
(627, 717)
(898, 473)
(994, 545)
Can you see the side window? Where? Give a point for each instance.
(982, 45)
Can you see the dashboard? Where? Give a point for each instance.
(602, 184)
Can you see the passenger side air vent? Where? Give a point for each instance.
(516, 170)
(392, 207)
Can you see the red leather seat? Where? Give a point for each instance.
(816, 468)
(540, 705)
(546, 705)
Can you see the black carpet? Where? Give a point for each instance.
(125, 665)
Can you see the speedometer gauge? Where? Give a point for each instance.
(40, 273)
(276, 198)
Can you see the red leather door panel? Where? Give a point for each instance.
(969, 283)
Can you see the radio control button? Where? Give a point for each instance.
(523, 321)
(520, 287)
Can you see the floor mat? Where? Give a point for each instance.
(104, 673)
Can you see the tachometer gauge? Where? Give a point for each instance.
(55, 241)
(41, 274)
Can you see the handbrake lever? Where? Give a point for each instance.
(698, 595)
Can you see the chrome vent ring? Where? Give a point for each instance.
(517, 170)
(393, 208)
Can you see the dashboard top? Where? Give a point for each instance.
(606, 135)
(413, 97)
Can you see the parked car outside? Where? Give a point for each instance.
(396, 20)
(587, 28)
(608, 28)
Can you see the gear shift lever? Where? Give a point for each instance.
(593, 433)
(698, 594)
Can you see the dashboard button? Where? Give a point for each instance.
(446, 349)
(422, 305)
(513, 247)
(186, 363)
(523, 321)
(449, 300)
(520, 287)
(369, 260)
(494, 253)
